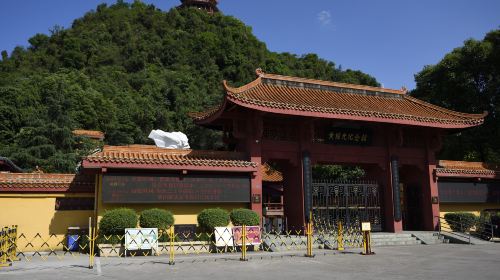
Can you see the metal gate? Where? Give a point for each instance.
(349, 202)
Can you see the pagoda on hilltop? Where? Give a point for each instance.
(207, 5)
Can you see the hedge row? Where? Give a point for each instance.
(114, 222)
(208, 219)
(461, 221)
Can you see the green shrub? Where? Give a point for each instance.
(461, 221)
(244, 216)
(495, 221)
(114, 222)
(208, 219)
(156, 218)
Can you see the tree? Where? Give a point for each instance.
(125, 69)
(468, 80)
(337, 172)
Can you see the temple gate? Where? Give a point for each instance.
(298, 122)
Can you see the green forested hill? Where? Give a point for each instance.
(126, 69)
(468, 80)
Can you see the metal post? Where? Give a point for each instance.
(492, 231)
(340, 237)
(171, 234)
(244, 243)
(13, 244)
(91, 244)
(3, 248)
(309, 233)
(367, 243)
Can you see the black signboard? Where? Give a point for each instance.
(348, 136)
(469, 192)
(174, 188)
(396, 196)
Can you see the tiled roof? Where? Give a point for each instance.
(451, 167)
(46, 182)
(149, 154)
(300, 96)
(94, 134)
(270, 174)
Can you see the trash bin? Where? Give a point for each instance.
(73, 238)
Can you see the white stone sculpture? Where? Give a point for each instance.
(169, 140)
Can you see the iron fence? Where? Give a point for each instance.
(349, 202)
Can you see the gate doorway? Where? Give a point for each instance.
(349, 202)
(411, 207)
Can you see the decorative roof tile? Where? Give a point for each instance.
(307, 97)
(46, 182)
(270, 174)
(458, 168)
(149, 154)
(7, 165)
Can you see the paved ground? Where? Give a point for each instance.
(404, 262)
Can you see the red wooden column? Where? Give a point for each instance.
(430, 190)
(254, 150)
(294, 195)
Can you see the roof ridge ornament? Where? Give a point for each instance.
(259, 72)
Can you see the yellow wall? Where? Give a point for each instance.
(184, 213)
(35, 214)
(474, 208)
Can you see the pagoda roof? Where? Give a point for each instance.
(153, 157)
(324, 99)
(210, 4)
(451, 168)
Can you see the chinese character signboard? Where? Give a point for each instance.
(471, 192)
(348, 136)
(175, 188)
(366, 226)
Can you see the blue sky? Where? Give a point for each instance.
(389, 39)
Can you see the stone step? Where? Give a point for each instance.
(396, 243)
(283, 243)
(394, 240)
(429, 237)
(391, 236)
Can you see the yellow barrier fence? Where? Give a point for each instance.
(8, 241)
(147, 242)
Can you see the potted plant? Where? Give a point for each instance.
(161, 219)
(213, 224)
(249, 218)
(112, 227)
